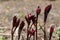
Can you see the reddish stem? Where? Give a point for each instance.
(45, 34)
(34, 37)
(12, 34)
(36, 27)
(27, 33)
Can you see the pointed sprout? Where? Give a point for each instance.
(48, 8)
(14, 21)
(46, 11)
(20, 29)
(38, 10)
(17, 23)
(34, 19)
(21, 25)
(31, 17)
(28, 18)
(51, 31)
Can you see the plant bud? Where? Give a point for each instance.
(28, 18)
(51, 31)
(34, 19)
(21, 25)
(38, 10)
(20, 29)
(47, 9)
(14, 20)
(17, 23)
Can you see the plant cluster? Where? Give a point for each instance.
(34, 20)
